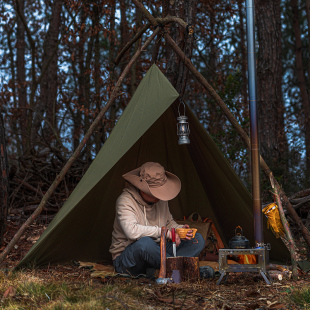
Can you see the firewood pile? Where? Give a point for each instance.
(32, 178)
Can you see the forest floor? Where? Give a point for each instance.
(71, 287)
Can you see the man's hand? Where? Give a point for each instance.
(189, 234)
(177, 237)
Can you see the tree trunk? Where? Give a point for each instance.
(48, 87)
(124, 40)
(97, 71)
(88, 92)
(273, 141)
(21, 75)
(4, 183)
(133, 84)
(176, 70)
(243, 55)
(215, 126)
(81, 81)
(308, 20)
(302, 85)
(14, 120)
(124, 28)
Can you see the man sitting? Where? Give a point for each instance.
(141, 210)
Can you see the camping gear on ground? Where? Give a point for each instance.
(260, 265)
(146, 131)
(206, 272)
(274, 221)
(239, 241)
(188, 267)
(162, 271)
(174, 247)
(182, 232)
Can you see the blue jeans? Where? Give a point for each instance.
(145, 253)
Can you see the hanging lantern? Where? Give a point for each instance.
(183, 127)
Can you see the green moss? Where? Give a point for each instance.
(300, 297)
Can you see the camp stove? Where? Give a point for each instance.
(262, 260)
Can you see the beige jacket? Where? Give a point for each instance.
(135, 219)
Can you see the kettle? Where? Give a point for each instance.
(239, 241)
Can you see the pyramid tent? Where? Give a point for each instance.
(146, 131)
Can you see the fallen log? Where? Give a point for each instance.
(279, 267)
(274, 276)
(280, 274)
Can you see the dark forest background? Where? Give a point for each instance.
(57, 71)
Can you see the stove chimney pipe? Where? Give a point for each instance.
(255, 166)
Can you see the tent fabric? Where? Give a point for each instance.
(145, 132)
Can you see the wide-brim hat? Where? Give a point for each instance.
(151, 178)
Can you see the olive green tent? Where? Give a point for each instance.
(147, 132)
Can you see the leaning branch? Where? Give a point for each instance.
(130, 43)
(302, 193)
(76, 153)
(160, 21)
(290, 239)
(298, 203)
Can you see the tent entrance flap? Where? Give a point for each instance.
(147, 132)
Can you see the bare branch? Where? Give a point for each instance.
(130, 43)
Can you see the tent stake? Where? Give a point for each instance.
(76, 153)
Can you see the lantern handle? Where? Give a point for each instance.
(181, 102)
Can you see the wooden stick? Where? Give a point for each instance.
(292, 246)
(130, 43)
(27, 185)
(276, 276)
(279, 267)
(163, 266)
(284, 274)
(160, 21)
(302, 193)
(76, 153)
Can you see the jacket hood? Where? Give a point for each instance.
(134, 192)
